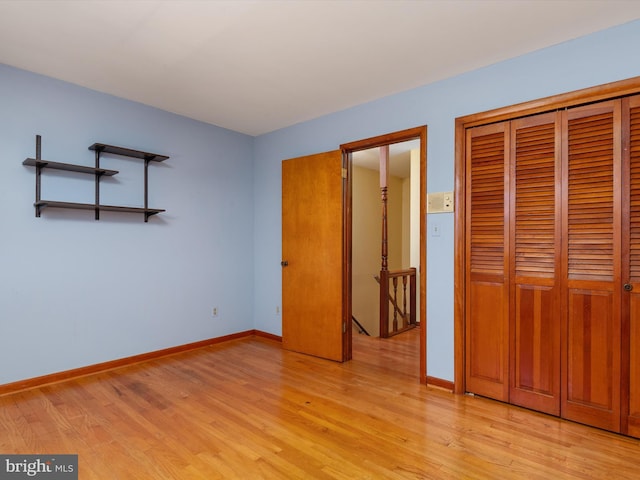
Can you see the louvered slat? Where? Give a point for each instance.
(590, 197)
(487, 204)
(634, 196)
(535, 201)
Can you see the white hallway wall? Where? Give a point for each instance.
(599, 58)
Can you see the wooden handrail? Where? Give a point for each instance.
(402, 273)
(361, 329)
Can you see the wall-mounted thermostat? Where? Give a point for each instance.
(440, 202)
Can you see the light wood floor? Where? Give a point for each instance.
(246, 409)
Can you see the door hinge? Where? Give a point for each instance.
(344, 173)
(344, 327)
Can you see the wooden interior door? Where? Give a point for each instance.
(592, 251)
(631, 244)
(487, 284)
(312, 255)
(535, 263)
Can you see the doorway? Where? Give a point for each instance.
(363, 154)
(403, 238)
(317, 224)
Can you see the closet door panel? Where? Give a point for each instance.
(632, 246)
(592, 252)
(487, 354)
(633, 425)
(593, 389)
(535, 231)
(487, 307)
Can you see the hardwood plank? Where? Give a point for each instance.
(249, 409)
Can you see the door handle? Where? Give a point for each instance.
(627, 287)
(284, 263)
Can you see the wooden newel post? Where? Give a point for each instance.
(384, 269)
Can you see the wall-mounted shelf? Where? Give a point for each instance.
(98, 172)
(32, 162)
(127, 152)
(102, 207)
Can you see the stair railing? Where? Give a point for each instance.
(402, 301)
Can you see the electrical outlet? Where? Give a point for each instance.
(214, 311)
(277, 310)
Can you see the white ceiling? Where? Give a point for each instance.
(255, 66)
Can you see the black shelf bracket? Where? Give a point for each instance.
(39, 167)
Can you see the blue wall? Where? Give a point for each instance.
(599, 58)
(75, 292)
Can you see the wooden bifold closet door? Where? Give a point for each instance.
(535, 234)
(487, 308)
(553, 263)
(592, 220)
(631, 265)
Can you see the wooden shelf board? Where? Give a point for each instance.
(91, 206)
(127, 152)
(32, 162)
